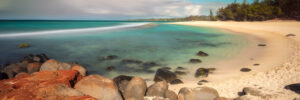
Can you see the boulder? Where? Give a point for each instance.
(98, 87)
(36, 58)
(13, 69)
(33, 67)
(135, 89)
(294, 87)
(163, 74)
(157, 89)
(176, 81)
(201, 53)
(80, 69)
(40, 85)
(24, 45)
(245, 69)
(54, 65)
(122, 82)
(202, 72)
(171, 95)
(195, 61)
(132, 61)
(200, 93)
(111, 57)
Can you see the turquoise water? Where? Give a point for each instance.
(86, 41)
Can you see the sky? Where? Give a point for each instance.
(106, 9)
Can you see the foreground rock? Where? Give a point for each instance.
(136, 89)
(54, 65)
(171, 95)
(122, 81)
(98, 87)
(13, 69)
(41, 85)
(158, 89)
(164, 74)
(201, 93)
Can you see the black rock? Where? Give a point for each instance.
(164, 74)
(131, 61)
(110, 68)
(202, 72)
(195, 61)
(201, 53)
(180, 72)
(3, 76)
(111, 57)
(288, 35)
(176, 81)
(261, 45)
(245, 70)
(294, 87)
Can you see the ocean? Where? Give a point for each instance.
(86, 41)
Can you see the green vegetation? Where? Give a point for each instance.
(260, 10)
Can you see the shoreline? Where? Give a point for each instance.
(278, 52)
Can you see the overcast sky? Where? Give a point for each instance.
(105, 9)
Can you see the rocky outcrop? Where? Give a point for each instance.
(80, 69)
(41, 85)
(201, 93)
(98, 87)
(164, 74)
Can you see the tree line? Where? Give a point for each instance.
(259, 10)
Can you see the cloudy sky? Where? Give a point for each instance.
(105, 9)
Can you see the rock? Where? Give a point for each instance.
(176, 81)
(289, 35)
(200, 93)
(256, 64)
(201, 53)
(221, 98)
(3, 76)
(245, 70)
(195, 61)
(98, 87)
(43, 57)
(201, 72)
(111, 57)
(21, 74)
(166, 68)
(13, 69)
(211, 69)
(122, 81)
(293, 87)
(154, 98)
(254, 92)
(171, 95)
(80, 69)
(163, 74)
(135, 89)
(110, 68)
(40, 85)
(261, 45)
(180, 73)
(33, 67)
(199, 83)
(180, 68)
(158, 89)
(149, 64)
(131, 61)
(203, 81)
(101, 58)
(54, 65)
(24, 45)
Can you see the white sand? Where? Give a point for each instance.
(279, 60)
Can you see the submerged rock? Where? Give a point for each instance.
(163, 74)
(201, 53)
(202, 72)
(98, 87)
(180, 68)
(256, 64)
(131, 61)
(111, 57)
(245, 70)
(101, 58)
(24, 45)
(149, 64)
(200, 93)
(195, 61)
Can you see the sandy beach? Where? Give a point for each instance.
(279, 60)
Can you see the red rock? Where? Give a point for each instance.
(80, 69)
(33, 67)
(40, 85)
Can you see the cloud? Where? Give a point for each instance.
(96, 9)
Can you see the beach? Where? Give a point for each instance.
(278, 60)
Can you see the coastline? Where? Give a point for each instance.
(281, 52)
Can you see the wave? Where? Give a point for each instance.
(70, 31)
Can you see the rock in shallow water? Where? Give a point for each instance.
(201, 53)
(202, 72)
(195, 61)
(163, 74)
